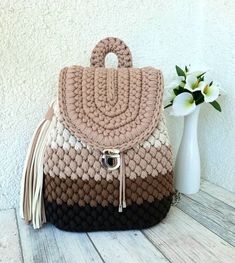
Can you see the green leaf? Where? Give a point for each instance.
(199, 100)
(201, 75)
(186, 69)
(216, 105)
(179, 90)
(180, 71)
(211, 83)
(167, 106)
(176, 91)
(198, 97)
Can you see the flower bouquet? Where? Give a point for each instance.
(185, 95)
(188, 90)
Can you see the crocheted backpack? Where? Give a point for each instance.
(101, 158)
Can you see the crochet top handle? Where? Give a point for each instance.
(114, 45)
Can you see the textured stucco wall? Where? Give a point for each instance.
(38, 38)
(217, 131)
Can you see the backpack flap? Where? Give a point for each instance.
(111, 108)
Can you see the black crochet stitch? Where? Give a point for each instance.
(85, 219)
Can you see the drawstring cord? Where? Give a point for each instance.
(122, 184)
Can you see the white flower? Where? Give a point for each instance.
(169, 95)
(193, 84)
(177, 81)
(183, 104)
(195, 72)
(211, 93)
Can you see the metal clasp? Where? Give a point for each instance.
(111, 159)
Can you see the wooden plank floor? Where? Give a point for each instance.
(200, 229)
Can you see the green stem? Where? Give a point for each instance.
(167, 106)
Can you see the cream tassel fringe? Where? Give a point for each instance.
(32, 203)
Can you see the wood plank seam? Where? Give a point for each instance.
(219, 192)
(193, 235)
(95, 247)
(201, 222)
(10, 249)
(56, 244)
(19, 237)
(164, 254)
(214, 197)
(209, 229)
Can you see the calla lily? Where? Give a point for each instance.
(193, 84)
(169, 95)
(211, 93)
(177, 81)
(195, 73)
(183, 104)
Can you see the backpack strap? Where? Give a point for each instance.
(114, 45)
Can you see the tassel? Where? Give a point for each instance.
(32, 204)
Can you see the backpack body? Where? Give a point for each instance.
(107, 160)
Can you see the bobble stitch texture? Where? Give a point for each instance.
(101, 108)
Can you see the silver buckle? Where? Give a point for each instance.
(111, 159)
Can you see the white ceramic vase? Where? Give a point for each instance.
(187, 166)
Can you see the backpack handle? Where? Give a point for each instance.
(114, 45)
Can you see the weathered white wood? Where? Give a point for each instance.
(126, 246)
(53, 245)
(9, 240)
(76, 247)
(218, 192)
(211, 213)
(39, 245)
(182, 239)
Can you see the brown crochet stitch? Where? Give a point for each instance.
(93, 193)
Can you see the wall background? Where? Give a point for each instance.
(38, 38)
